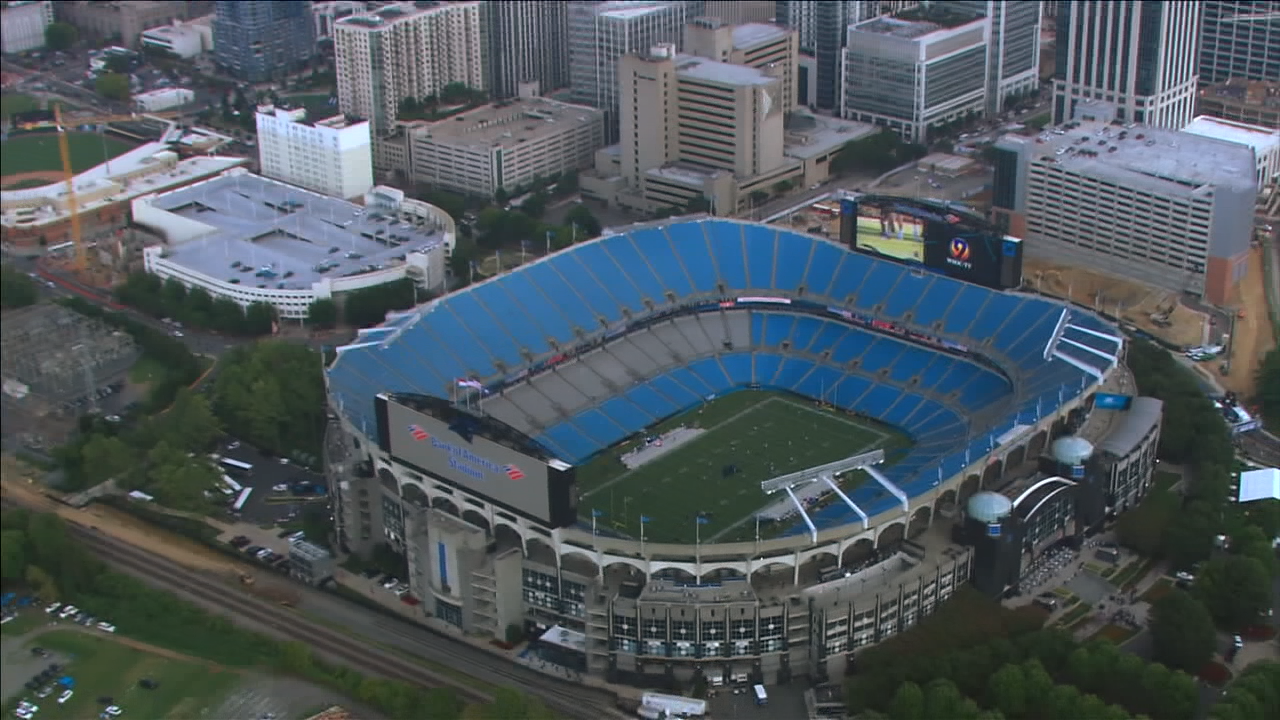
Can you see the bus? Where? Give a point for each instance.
(240, 501)
(235, 467)
(235, 486)
(671, 706)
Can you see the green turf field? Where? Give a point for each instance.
(765, 434)
(101, 667)
(39, 152)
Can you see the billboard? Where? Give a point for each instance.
(946, 240)
(1112, 401)
(451, 446)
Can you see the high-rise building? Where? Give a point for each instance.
(404, 51)
(1241, 40)
(23, 24)
(525, 41)
(1248, 101)
(741, 12)
(1141, 56)
(1170, 208)
(772, 48)
(916, 70)
(1013, 48)
(601, 33)
(256, 40)
(332, 156)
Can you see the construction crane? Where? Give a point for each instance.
(80, 261)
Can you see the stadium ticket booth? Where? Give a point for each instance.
(562, 646)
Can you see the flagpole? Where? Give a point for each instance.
(642, 524)
(548, 242)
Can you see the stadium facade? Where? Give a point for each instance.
(456, 430)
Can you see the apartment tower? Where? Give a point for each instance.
(1140, 56)
(257, 40)
(525, 42)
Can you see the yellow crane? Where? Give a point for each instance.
(81, 257)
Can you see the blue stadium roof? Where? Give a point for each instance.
(1012, 358)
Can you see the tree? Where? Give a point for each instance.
(13, 554)
(782, 187)
(189, 424)
(259, 319)
(582, 218)
(60, 36)
(1236, 589)
(758, 197)
(105, 458)
(1182, 632)
(113, 86)
(907, 703)
(1254, 695)
(121, 64)
(271, 394)
(323, 313)
(535, 206)
(1269, 387)
(16, 289)
(1007, 691)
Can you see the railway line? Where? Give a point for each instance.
(567, 699)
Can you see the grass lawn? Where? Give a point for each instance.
(102, 667)
(765, 434)
(1116, 634)
(24, 184)
(11, 103)
(1074, 615)
(1161, 588)
(39, 151)
(146, 370)
(26, 620)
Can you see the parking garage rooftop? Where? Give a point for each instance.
(259, 231)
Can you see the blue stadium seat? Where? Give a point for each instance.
(494, 336)
(681, 396)
(806, 330)
(912, 361)
(851, 346)
(730, 257)
(737, 367)
(961, 373)
(778, 328)
(964, 309)
(636, 267)
(897, 414)
(935, 371)
(828, 337)
(792, 372)
(690, 244)
(558, 293)
(761, 245)
(652, 402)
(982, 390)
(935, 301)
(880, 355)
(1028, 351)
(906, 294)
(1025, 319)
(568, 437)
(654, 245)
(879, 281)
(599, 427)
(765, 368)
(822, 268)
(450, 330)
(848, 391)
(712, 374)
(598, 265)
(794, 252)
(877, 400)
(994, 313)
(696, 384)
(528, 324)
(625, 414)
(820, 383)
(850, 276)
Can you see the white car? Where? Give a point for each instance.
(68, 611)
(280, 488)
(106, 627)
(113, 710)
(65, 696)
(23, 714)
(284, 461)
(53, 608)
(1185, 577)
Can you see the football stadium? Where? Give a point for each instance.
(701, 413)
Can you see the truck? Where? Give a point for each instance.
(654, 706)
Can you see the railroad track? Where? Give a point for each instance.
(567, 699)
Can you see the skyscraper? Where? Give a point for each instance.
(601, 33)
(524, 41)
(1241, 40)
(255, 40)
(1013, 48)
(823, 26)
(1140, 56)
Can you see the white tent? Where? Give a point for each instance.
(1259, 485)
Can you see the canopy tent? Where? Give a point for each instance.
(1259, 485)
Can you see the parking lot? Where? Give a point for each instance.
(786, 702)
(272, 501)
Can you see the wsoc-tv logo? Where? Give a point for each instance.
(463, 460)
(959, 254)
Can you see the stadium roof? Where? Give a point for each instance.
(1133, 425)
(265, 224)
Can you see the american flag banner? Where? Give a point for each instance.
(513, 472)
(417, 433)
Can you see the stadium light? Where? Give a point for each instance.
(802, 477)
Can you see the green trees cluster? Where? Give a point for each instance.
(368, 306)
(113, 86)
(16, 289)
(1253, 695)
(1182, 632)
(195, 307)
(40, 554)
(1269, 389)
(271, 395)
(154, 455)
(60, 36)
(876, 154)
(498, 230)
(1037, 674)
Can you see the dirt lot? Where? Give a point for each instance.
(1132, 301)
(1253, 335)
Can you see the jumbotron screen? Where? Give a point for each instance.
(935, 236)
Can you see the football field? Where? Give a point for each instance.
(747, 437)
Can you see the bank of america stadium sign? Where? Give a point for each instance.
(463, 460)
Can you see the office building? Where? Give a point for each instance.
(22, 25)
(1013, 48)
(916, 70)
(405, 50)
(123, 21)
(162, 99)
(1169, 208)
(185, 40)
(741, 12)
(332, 156)
(1240, 40)
(525, 43)
(257, 40)
(1252, 102)
(507, 146)
(601, 33)
(768, 47)
(1265, 143)
(1140, 56)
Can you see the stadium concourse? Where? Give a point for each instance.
(586, 352)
